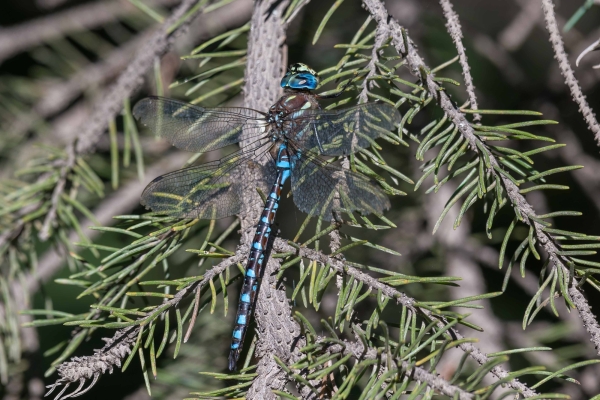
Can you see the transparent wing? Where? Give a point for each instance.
(343, 131)
(320, 188)
(212, 190)
(198, 129)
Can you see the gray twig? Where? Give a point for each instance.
(60, 94)
(567, 72)
(111, 102)
(120, 202)
(381, 36)
(281, 246)
(455, 31)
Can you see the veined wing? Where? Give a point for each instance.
(212, 190)
(343, 131)
(320, 188)
(198, 129)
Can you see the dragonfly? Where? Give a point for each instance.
(294, 140)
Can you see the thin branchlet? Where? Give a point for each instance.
(567, 72)
(455, 30)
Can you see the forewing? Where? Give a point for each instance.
(198, 129)
(212, 190)
(320, 189)
(343, 131)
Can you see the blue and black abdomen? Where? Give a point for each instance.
(256, 259)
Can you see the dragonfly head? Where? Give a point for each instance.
(300, 77)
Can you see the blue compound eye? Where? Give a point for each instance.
(300, 77)
(300, 81)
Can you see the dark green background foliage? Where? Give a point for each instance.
(513, 68)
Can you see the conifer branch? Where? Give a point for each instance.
(282, 246)
(121, 201)
(277, 336)
(528, 216)
(567, 72)
(408, 302)
(79, 370)
(111, 102)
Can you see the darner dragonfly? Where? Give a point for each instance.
(289, 141)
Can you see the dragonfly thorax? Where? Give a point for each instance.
(287, 104)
